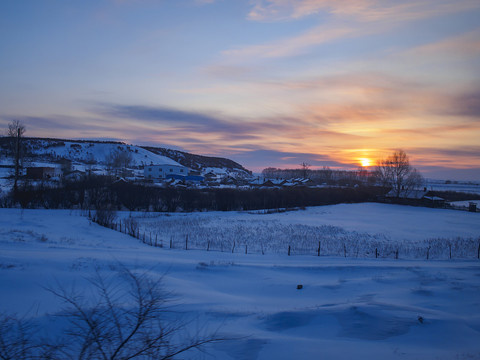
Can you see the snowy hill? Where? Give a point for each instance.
(200, 163)
(85, 152)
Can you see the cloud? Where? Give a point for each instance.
(363, 10)
(466, 104)
(205, 123)
(462, 45)
(345, 19)
(49, 123)
(262, 158)
(295, 45)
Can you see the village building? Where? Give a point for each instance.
(165, 171)
(418, 197)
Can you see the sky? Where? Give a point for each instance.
(267, 83)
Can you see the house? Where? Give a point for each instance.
(407, 194)
(422, 197)
(210, 176)
(305, 182)
(228, 180)
(434, 201)
(165, 171)
(278, 182)
(255, 182)
(43, 172)
(195, 179)
(75, 175)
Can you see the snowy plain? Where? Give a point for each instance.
(349, 308)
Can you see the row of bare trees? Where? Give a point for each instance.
(393, 172)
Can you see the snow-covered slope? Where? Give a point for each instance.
(95, 152)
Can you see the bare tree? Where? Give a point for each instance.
(396, 173)
(119, 160)
(126, 319)
(305, 169)
(15, 131)
(14, 128)
(15, 338)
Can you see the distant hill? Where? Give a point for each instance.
(198, 162)
(91, 152)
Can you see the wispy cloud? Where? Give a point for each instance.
(363, 10)
(296, 45)
(346, 19)
(462, 45)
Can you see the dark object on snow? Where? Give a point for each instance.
(299, 287)
(420, 320)
(472, 207)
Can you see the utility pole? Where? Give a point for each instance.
(17, 164)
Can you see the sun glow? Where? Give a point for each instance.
(365, 162)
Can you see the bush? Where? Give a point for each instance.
(131, 226)
(105, 217)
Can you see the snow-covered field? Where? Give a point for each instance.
(349, 308)
(351, 230)
(468, 187)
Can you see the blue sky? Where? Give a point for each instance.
(264, 82)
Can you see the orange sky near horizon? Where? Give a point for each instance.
(267, 83)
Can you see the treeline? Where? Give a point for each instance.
(100, 192)
(323, 176)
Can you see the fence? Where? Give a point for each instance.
(273, 237)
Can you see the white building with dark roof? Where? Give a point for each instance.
(164, 171)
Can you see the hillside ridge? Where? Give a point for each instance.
(95, 152)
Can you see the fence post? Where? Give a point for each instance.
(208, 245)
(450, 248)
(376, 253)
(186, 242)
(396, 255)
(428, 252)
(156, 238)
(246, 252)
(233, 248)
(288, 250)
(318, 250)
(171, 239)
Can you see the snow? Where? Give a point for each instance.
(348, 308)
(357, 229)
(82, 151)
(457, 186)
(465, 204)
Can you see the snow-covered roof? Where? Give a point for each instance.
(407, 194)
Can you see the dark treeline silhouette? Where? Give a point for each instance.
(101, 192)
(323, 176)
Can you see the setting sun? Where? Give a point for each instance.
(365, 162)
